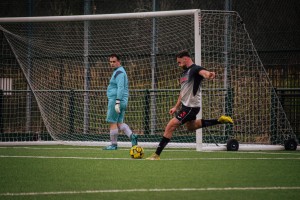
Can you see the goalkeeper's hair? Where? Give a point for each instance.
(182, 54)
(114, 55)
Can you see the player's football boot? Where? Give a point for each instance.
(154, 156)
(225, 120)
(111, 147)
(134, 139)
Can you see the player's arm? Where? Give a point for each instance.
(173, 110)
(207, 74)
(120, 79)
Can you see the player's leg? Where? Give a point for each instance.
(124, 127)
(201, 123)
(170, 128)
(185, 114)
(112, 118)
(113, 133)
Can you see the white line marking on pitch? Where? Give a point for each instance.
(148, 190)
(99, 158)
(175, 150)
(64, 157)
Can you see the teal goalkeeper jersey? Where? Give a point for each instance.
(118, 85)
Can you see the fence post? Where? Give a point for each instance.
(273, 116)
(228, 110)
(147, 113)
(71, 111)
(1, 111)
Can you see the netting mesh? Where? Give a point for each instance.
(66, 67)
(248, 95)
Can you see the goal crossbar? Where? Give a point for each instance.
(98, 17)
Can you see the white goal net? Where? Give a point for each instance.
(65, 62)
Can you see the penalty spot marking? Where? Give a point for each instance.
(148, 190)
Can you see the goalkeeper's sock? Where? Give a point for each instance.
(163, 143)
(125, 128)
(114, 136)
(209, 122)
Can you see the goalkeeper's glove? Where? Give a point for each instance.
(117, 106)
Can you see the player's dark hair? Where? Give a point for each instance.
(182, 54)
(115, 55)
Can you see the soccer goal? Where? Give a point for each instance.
(65, 62)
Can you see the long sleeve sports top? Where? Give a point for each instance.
(118, 85)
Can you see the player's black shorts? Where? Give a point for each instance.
(186, 114)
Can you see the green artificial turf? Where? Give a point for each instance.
(67, 172)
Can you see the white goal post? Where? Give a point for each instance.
(64, 61)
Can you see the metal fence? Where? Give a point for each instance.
(290, 101)
(16, 124)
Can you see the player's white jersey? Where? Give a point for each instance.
(190, 82)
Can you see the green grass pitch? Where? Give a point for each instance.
(68, 172)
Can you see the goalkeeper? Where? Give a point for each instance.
(117, 94)
(189, 101)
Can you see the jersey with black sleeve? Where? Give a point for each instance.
(190, 82)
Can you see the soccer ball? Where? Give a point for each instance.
(136, 152)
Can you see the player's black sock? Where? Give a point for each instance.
(163, 143)
(209, 122)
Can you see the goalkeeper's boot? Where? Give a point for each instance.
(225, 120)
(134, 139)
(154, 156)
(111, 147)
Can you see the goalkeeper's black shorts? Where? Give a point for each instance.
(186, 114)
